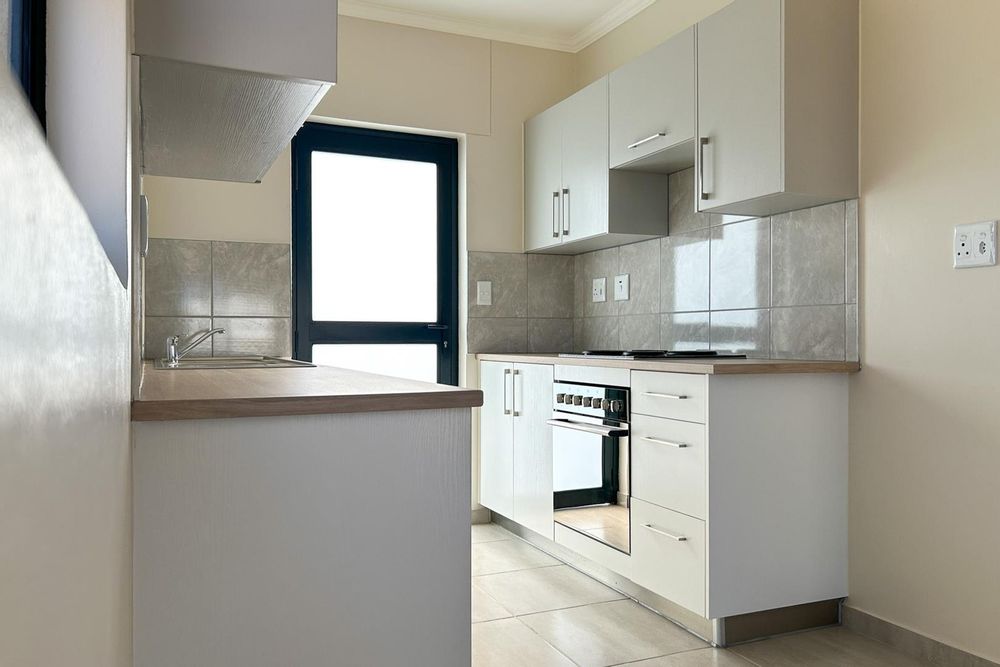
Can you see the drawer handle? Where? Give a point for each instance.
(647, 140)
(673, 397)
(676, 538)
(678, 445)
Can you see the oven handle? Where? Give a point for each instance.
(606, 431)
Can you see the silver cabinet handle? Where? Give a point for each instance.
(657, 441)
(676, 538)
(555, 214)
(605, 431)
(565, 211)
(703, 191)
(506, 372)
(673, 397)
(647, 140)
(513, 392)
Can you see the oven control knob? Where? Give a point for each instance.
(616, 406)
(595, 403)
(560, 398)
(605, 404)
(578, 400)
(568, 399)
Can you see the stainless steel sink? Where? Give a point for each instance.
(203, 363)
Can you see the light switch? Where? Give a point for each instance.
(599, 290)
(621, 287)
(484, 292)
(975, 244)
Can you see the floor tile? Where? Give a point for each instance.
(509, 642)
(829, 647)
(489, 532)
(545, 589)
(703, 657)
(611, 633)
(485, 607)
(506, 556)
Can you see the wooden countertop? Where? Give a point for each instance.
(697, 366)
(268, 392)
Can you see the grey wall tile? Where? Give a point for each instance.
(596, 333)
(680, 196)
(684, 331)
(264, 336)
(717, 219)
(809, 332)
(851, 251)
(853, 333)
(158, 329)
(684, 271)
(641, 261)
(639, 332)
(741, 265)
(178, 278)
(550, 285)
(550, 335)
(807, 256)
(251, 279)
(495, 334)
(509, 274)
(746, 331)
(598, 264)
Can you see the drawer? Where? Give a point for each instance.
(600, 553)
(672, 395)
(668, 464)
(668, 554)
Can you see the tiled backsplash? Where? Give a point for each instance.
(246, 288)
(783, 287)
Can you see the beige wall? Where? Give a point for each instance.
(925, 444)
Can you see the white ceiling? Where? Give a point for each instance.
(566, 25)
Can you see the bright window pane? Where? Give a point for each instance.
(374, 239)
(414, 362)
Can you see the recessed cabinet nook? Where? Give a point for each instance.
(761, 97)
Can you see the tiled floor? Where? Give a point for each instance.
(530, 610)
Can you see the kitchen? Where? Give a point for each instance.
(809, 290)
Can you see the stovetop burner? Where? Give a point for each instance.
(654, 354)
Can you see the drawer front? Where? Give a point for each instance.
(671, 395)
(668, 464)
(671, 567)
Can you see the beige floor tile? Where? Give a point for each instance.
(830, 647)
(485, 607)
(611, 633)
(545, 589)
(509, 643)
(702, 657)
(506, 556)
(489, 532)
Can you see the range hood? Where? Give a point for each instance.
(224, 85)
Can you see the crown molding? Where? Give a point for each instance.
(373, 11)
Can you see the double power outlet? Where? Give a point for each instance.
(975, 244)
(599, 289)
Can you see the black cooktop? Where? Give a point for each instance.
(654, 354)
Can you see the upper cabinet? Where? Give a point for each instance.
(224, 85)
(572, 201)
(652, 108)
(777, 113)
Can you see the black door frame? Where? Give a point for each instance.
(442, 151)
(27, 51)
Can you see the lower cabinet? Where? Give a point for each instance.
(515, 477)
(668, 554)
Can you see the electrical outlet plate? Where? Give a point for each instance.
(975, 244)
(621, 287)
(484, 292)
(599, 292)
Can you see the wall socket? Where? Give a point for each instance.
(599, 291)
(621, 287)
(484, 292)
(975, 244)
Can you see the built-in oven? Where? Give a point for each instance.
(590, 461)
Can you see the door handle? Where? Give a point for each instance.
(506, 374)
(647, 140)
(513, 392)
(656, 394)
(668, 443)
(676, 538)
(605, 431)
(704, 192)
(565, 211)
(555, 214)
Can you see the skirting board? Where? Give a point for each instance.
(909, 642)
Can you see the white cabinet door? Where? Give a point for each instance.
(740, 103)
(496, 438)
(543, 179)
(652, 101)
(585, 162)
(533, 447)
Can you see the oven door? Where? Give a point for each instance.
(586, 460)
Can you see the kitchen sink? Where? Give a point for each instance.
(204, 363)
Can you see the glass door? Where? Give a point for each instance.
(375, 251)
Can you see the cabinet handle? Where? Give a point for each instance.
(555, 214)
(506, 372)
(647, 140)
(676, 538)
(704, 192)
(678, 445)
(565, 211)
(673, 397)
(513, 392)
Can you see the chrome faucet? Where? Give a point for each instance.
(175, 352)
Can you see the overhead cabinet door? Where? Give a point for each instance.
(543, 179)
(584, 163)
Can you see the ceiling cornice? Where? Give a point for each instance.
(373, 11)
